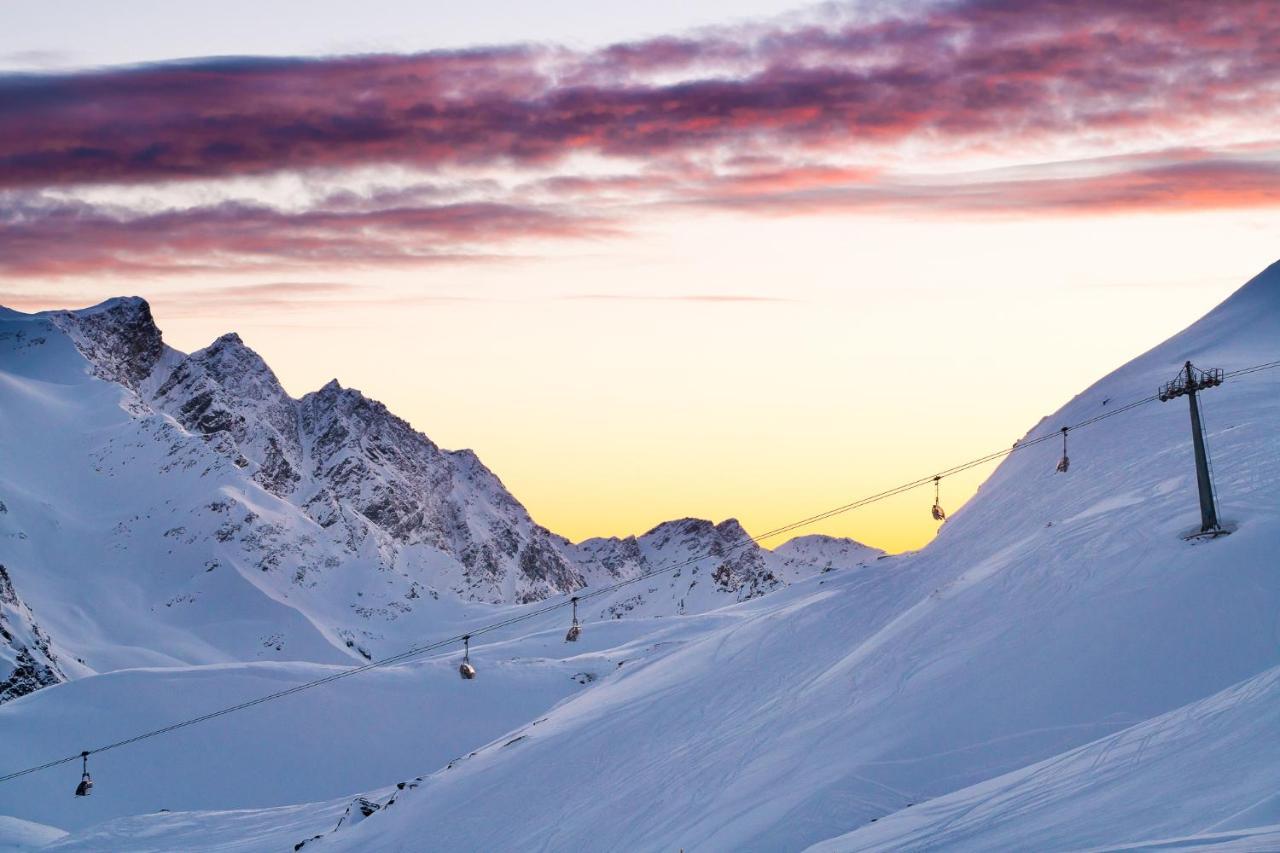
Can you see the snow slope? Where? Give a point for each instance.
(1207, 768)
(1000, 683)
(1051, 611)
(338, 740)
(17, 835)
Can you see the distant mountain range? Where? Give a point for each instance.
(187, 510)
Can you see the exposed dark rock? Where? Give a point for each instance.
(26, 648)
(359, 809)
(119, 339)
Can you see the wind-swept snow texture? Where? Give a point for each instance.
(1059, 669)
(1177, 775)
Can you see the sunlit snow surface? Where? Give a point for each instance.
(1058, 670)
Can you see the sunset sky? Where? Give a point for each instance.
(748, 259)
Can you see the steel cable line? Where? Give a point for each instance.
(1244, 371)
(418, 651)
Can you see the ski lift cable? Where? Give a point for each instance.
(1244, 371)
(418, 651)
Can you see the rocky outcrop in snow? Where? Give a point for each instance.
(27, 661)
(118, 338)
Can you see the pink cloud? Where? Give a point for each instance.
(1156, 183)
(399, 228)
(962, 70)
(763, 119)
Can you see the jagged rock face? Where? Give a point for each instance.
(27, 661)
(352, 466)
(740, 567)
(119, 338)
(371, 461)
(364, 458)
(711, 565)
(611, 558)
(227, 387)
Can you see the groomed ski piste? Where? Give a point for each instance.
(1059, 670)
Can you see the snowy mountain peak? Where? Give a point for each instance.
(697, 528)
(708, 564)
(134, 304)
(827, 552)
(228, 356)
(230, 342)
(118, 337)
(731, 529)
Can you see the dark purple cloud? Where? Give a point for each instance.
(765, 119)
(973, 71)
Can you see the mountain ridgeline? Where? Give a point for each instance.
(328, 506)
(351, 466)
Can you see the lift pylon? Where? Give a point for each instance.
(1187, 383)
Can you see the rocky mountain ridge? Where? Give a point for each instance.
(349, 463)
(193, 489)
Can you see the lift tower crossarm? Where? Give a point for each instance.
(1188, 382)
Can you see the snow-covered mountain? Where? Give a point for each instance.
(713, 564)
(353, 467)
(165, 509)
(1059, 669)
(825, 552)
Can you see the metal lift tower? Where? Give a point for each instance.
(1190, 380)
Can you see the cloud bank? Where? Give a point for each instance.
(839, 111)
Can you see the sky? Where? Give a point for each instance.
(657, 260)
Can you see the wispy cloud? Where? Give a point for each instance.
(708, 298)
(280, 298)
(1150, 183)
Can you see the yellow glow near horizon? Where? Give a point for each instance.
(853, 367)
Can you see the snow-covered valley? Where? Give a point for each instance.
(1060, 669)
